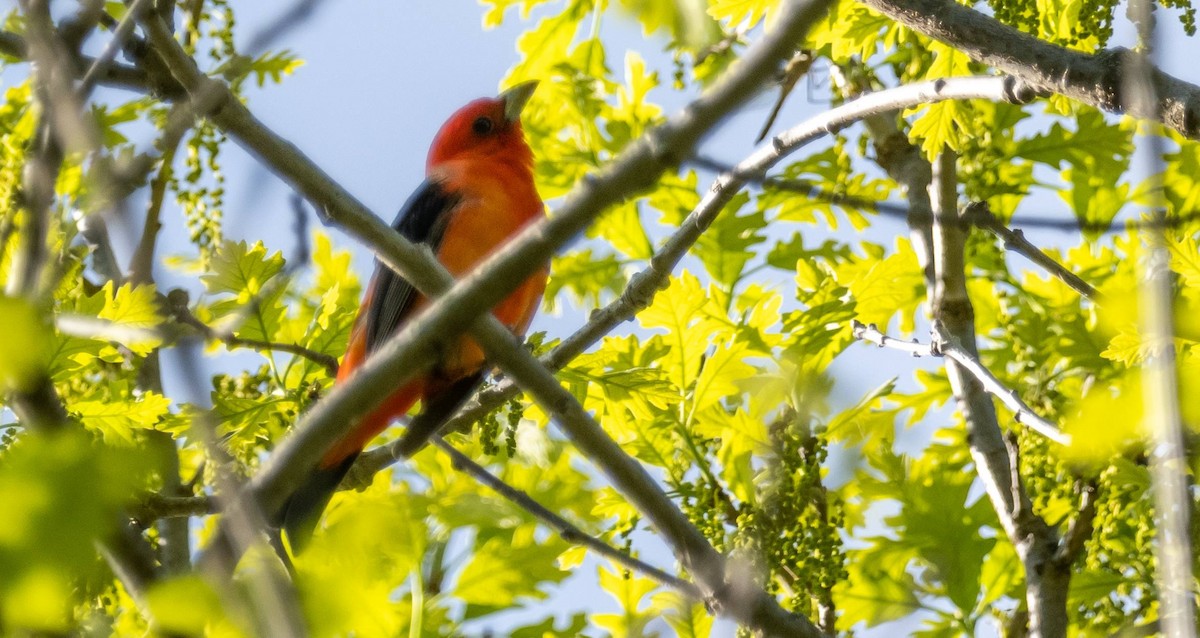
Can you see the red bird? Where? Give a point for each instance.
(478, 193)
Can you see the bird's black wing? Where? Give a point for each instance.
(421, 220)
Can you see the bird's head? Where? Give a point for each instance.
(486, 128)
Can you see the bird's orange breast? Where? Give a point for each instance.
(496, 202)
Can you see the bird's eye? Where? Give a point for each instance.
(482, 126)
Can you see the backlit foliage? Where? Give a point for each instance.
(838, 476)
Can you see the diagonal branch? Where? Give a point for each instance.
(181, 313)
(569, 531)
(121, 34)
(1095, 80)
(465, 305)
(947, 346)
(979, 214)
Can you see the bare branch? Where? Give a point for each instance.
(116, 75)
(300, 12)
(945, 345)
(1092, 79)
(181, 313)
(569, 532)
(122, 33)
(951, 348)
(141, 264)
(154, 507)
(979, 214)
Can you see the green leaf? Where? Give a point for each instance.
(882, 286)
(878, 586)
(687, 617)
(1002, 574)
(851, 29)
(545, 45)
(61, 495)
(865, 422)
(548, 628)
(117, 421)
(1095, 145)
(726, 246)
(242, 270)
(134, 308)
(621, 227)
(494, 16)
(588, 277)
(743, 13)
(743, 438)
(686, 20)
(721, 375)
(185, 605)
(939, 127)
(274, 65)
(500, 572)
(629, 589)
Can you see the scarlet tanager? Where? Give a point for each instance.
(477, 194)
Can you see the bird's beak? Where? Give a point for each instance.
(516, 98)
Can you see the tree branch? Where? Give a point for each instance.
(1170, 482)
(1035, 542)
(979, 214)
(1095, 80)
(945, 345)
(569, 532)
(466, 304)
(181, 313)
(121, 34)
(902, 161)
(154, 507)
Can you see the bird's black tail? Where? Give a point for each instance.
(303, 508)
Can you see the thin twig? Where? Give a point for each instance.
(979, 214)
(181, 313)
(100, 65)
(569, 531)
(950, 348)
(1080, 528)
(945, 345)
(813, 190)
(300, 12)
(141, 264)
